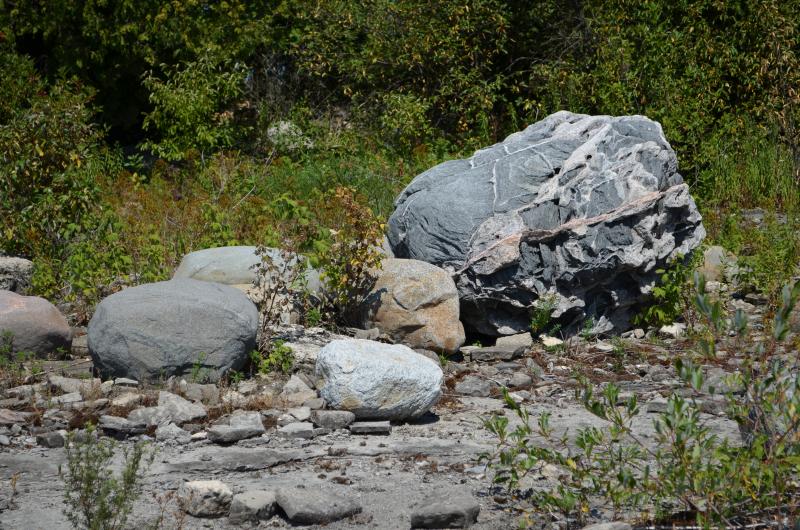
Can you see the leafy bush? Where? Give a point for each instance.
(95, 498)
(348, 260)
(688, 468)
(191, 107)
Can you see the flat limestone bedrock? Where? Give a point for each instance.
(581, 208)
(156, 330)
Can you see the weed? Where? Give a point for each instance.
(542, 315)
(199, 373)
(278, 358)
(95, 498)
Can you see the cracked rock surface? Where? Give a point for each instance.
(581, 208)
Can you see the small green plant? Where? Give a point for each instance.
(313, 317)
(687, 468)
(542, 315)
(443, 359)
(15, 367)
(279, 357)
(671, 296)
(235, 377)
(200, 373)
(619, 354)
(96, 498)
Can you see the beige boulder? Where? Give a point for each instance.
(415, 303)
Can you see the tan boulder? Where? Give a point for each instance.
(415, 303)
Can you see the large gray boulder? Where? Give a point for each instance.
(377, 381)
(581, 208)
(32, 325)
(177, 327)
(415, 303)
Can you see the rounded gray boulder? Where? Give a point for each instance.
(170, 328)
(377, 381)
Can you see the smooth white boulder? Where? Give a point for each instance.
(377, 381)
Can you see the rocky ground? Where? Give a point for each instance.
(384, 477)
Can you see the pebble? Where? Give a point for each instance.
(51, 439)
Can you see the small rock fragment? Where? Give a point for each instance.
(371, 427)
(51, 439)
(475, 386)
(172, 432)
(550, 342)
(252, 506)
(608, 526)
(332, 419)
(128, 399)
(205, 498)
(520, 379)
(121, 427)
(675, 330)
(240, 425)
(300, 413)
(304, 429)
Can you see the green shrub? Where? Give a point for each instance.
(671, 297)
(349, 259)
(95, 498)
(688, 469)
(278, 357)
(767, 253)
(191, 107)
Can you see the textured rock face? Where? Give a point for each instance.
(205, 498)
(35, 324)
(172, 328)
(583, 208)
(232, 266)
(415, 303)
(15, 274)
(377, 381)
